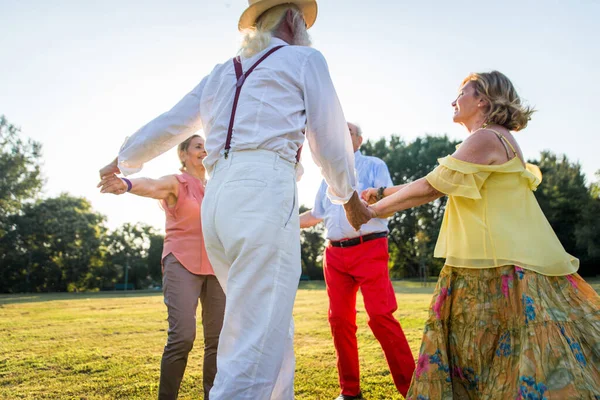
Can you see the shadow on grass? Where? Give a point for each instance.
(402, 287)
(7, 299)
(312, 285)
(406, 287)
(419, 287)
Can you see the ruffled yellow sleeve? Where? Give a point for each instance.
(533, 175)
(457, 178)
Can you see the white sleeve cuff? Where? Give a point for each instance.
(337, 199)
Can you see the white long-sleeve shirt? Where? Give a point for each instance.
(289, 91)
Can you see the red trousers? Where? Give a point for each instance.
(365, 266)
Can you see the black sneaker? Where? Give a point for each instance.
(348, 397)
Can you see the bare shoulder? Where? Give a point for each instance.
(170, 179)
(482, 147)
(169, 184)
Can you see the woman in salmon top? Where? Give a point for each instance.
(510, 318)
(187, 273)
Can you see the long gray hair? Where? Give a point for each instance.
(258, 38)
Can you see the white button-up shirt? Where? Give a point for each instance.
(372, 173)
(289, 91)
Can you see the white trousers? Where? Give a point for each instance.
(252, 236)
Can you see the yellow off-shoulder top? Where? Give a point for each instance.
(492, 218)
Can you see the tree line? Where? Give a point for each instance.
(62, 244)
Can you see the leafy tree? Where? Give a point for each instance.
(595, 187)
(55, 246)
(20, 182)
(313, 243)
(588, 232)
(128, 250)
(20, 178)
(572, 208)
(154, 259)
(563, 196)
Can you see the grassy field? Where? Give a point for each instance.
(108, 346)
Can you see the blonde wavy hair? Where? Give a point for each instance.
(183, 148)
(258, 37)
(505, 107)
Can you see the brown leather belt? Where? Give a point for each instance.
(357, 240)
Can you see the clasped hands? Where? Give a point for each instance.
(109, 181)
(357, 209)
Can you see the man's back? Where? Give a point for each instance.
(271, 112)
(289, 92)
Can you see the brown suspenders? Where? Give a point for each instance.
(241, 78)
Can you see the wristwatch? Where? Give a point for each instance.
(380, 193)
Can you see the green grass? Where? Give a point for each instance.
(108, 346)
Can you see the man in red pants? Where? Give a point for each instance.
(360, 260)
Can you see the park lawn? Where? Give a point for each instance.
(108, 345)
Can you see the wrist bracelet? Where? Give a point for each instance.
(380, 193)
(128, 183)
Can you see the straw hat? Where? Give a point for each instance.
(257, 7)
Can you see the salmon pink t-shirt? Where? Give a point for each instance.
(183, 227)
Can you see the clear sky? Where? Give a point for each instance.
(79, 76)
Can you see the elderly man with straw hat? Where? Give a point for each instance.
(256, 110)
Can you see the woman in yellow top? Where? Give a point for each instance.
(510, 318)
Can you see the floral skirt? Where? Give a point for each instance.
(509, 333)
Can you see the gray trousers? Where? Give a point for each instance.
(182, 289)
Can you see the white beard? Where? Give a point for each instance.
(301, 36)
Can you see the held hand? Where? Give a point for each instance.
(369, 195)
(110, 169)
(356, 212)
(112, 184)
